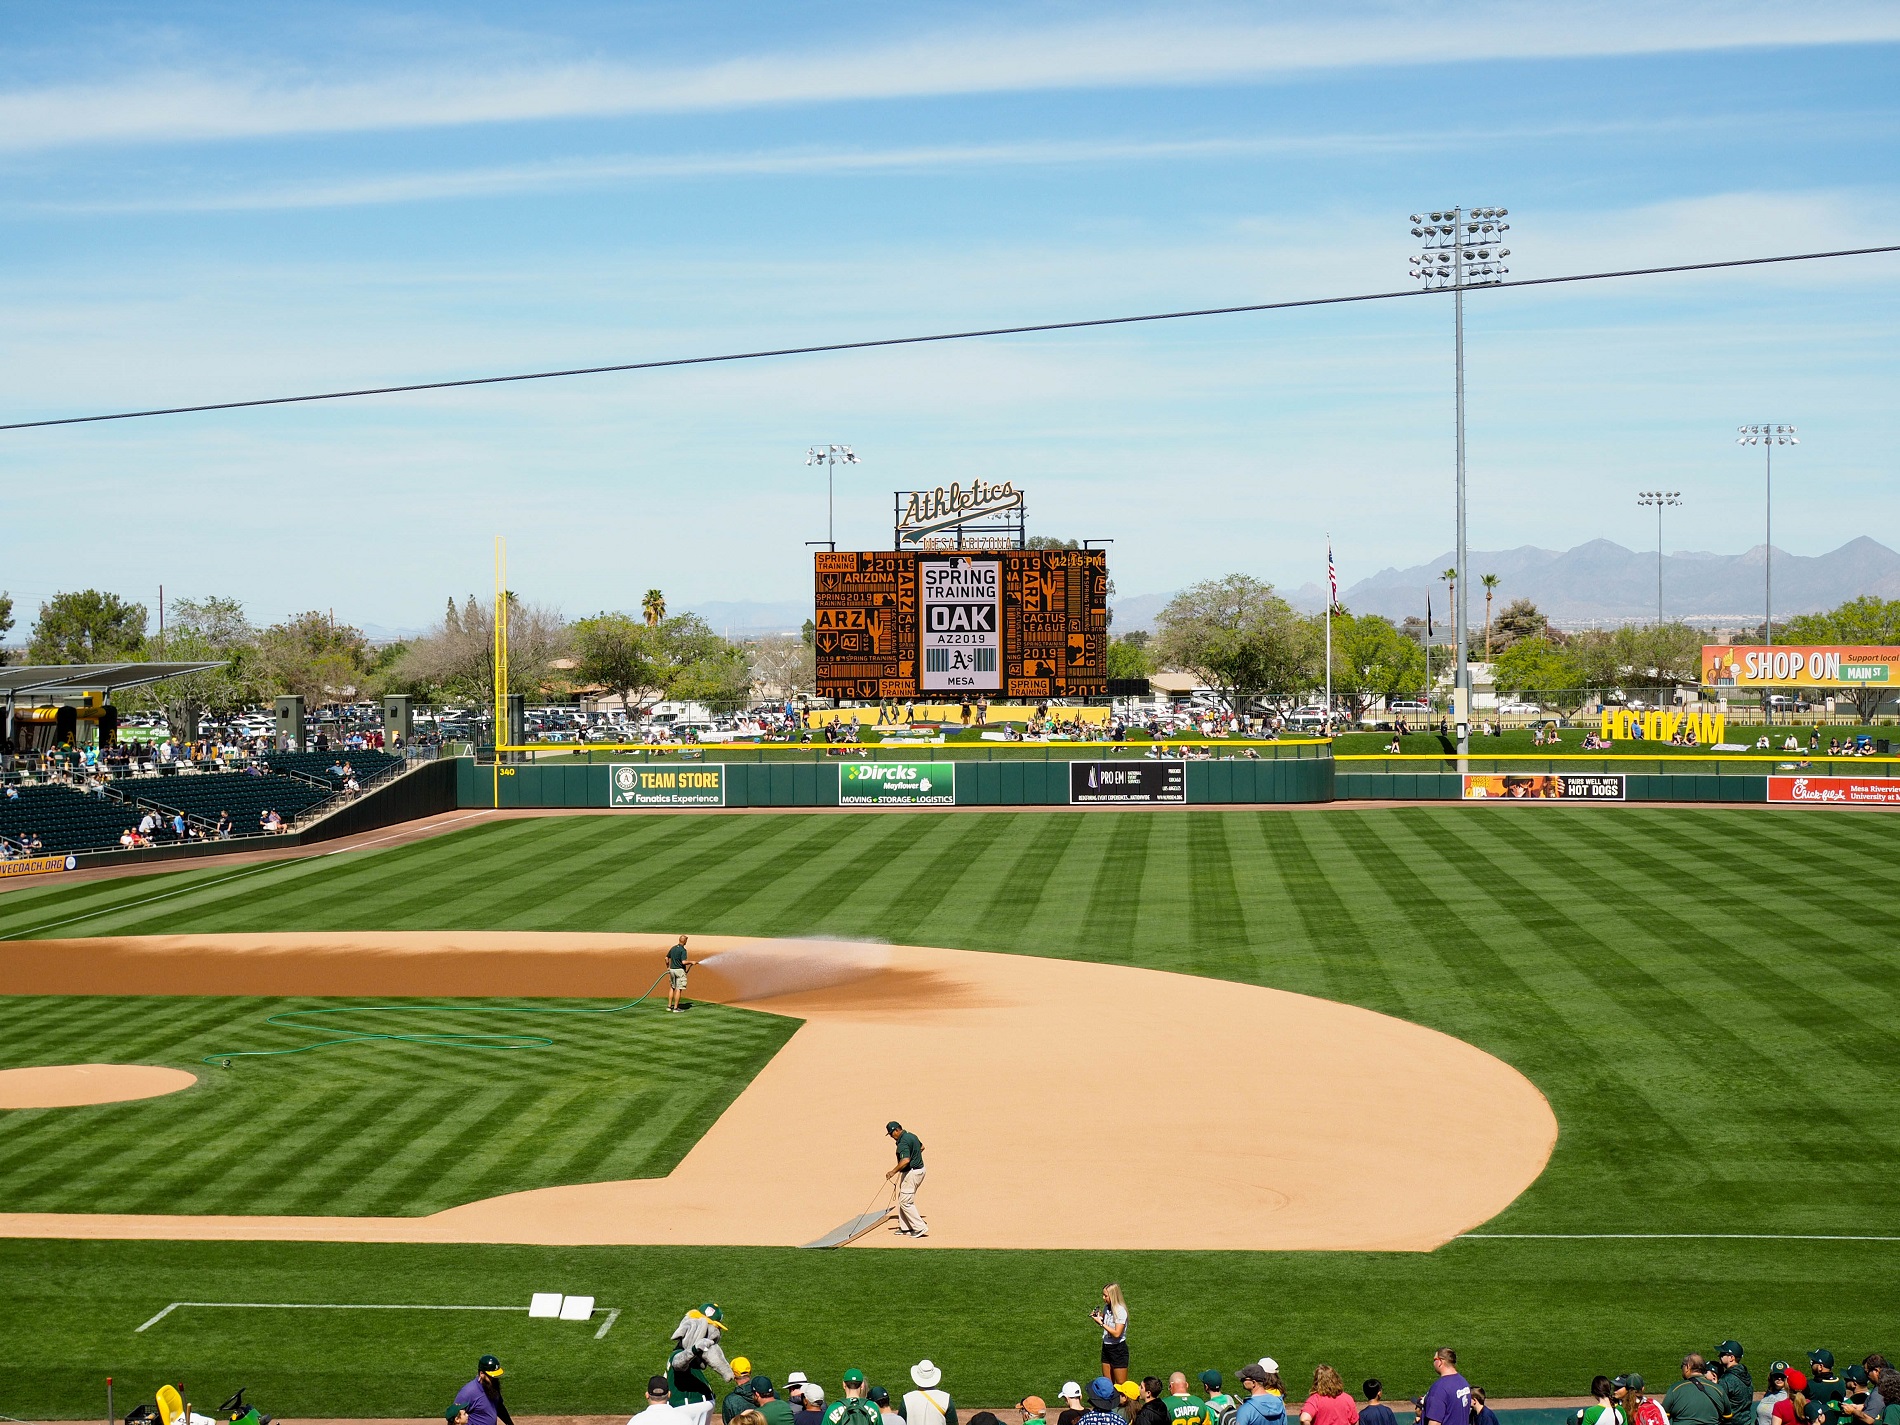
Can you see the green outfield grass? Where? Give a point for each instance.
(384, 1128)
(1700, 992)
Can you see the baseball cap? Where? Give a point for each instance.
(712, 1312)
(1267, 1363)
(880, 1395)
(813, 1392)
(741, 1365)
(892, 1124)
(1730, 1348)
(488, 1366)
(1816, 1410)
(1033, 1405)
(1070, 1390)
(1632, 1381)
(1857, 1374)
(1797, 1380)
(1102, 1388)
(1252, 1371)
(1822, 1357)
(656, 1387)
(854, 1376)
(1211, 1379)
(762, 1385)
(1129, 1390)
(453, 1411)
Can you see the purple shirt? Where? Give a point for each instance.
(1448, 1401)
(481, 1410)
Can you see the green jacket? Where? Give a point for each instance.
(1694, 1402)
(739, 1399)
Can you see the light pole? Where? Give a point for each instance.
(1659, 498)
(830, 456)
(1459, 248)
(1767, 437)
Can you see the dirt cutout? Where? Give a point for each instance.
(76, 1085)
(1062, 1104)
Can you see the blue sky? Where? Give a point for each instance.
(221, 201)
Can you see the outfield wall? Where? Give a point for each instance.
(1638, 787)
(817, 784)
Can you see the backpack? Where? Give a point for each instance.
(859, 1412)
(1224, 1413)
(1650, 1412)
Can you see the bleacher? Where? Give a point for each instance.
(201, 796)
(368, 766)
(65, 820)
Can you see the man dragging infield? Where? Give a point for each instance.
(909, 1173)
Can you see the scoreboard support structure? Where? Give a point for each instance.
(955, 624)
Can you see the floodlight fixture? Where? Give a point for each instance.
(1767, 435)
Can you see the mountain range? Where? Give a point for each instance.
(1604, 583)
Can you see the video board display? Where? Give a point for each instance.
(1002, 624)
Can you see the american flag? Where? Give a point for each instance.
(1332, 573)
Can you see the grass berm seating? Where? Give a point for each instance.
(202, 796)
(367, 765)
(64, 819)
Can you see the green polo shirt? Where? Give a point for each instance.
(776, 1412)
(908, 1146)
(1693, 1402)
(676, 958)
(1185, 1409)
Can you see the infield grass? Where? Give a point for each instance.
(1699, 992)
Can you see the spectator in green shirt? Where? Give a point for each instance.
(775, 1411)
(1694, 1400)
(740, 1397)
(1183, 1407)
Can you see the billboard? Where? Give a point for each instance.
(1544, 786)
(1806, 665)
(1015, 623)
(1122, 783)
(37, 866)
(700, 785)
(1837, 791)
(912, 784)
(960, 624)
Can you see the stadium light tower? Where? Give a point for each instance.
(1767, 437)
(1659, 498)
(1460, 248)
(831, 456)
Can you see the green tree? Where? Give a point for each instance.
(618, 652)
(1865, 620)
(1128, 656)
(697, 665)
(6, 620)
(1372, 659)
(87, 627)
(1541, 667)
(1237, 636)
(210, 630)
(653, 605)
(455, 660)
(317, 659)
(1490, 582)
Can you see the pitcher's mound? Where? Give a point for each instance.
(73, 1085)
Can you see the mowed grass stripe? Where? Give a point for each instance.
(1037, 846)
(1352, 966)
(620, 875)
(1114, 903)
(959, 858)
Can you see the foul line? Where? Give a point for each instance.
(1664, 1237)
(935, 337)
(613, 1313)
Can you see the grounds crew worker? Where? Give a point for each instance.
(676, 967)
(695, 1347)
(909, 1173)
(481, 1397)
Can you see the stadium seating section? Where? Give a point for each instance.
(202, 796)
(65, 820)
(367, 765)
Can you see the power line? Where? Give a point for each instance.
(919, 340)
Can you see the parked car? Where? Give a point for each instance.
(1307, 718)
(1517, 709)
(1409, 708)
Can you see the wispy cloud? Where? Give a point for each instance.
(1155, 49)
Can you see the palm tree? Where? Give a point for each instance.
(653, 606)
(1490, 582)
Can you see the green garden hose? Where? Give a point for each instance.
(290, 1018)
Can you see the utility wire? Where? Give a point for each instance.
(922, 340)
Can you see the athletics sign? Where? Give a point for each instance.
(1827, 665)
(1544, 786)
(630, 785)
(911, 784)
(1836, 791)
(1122, 783)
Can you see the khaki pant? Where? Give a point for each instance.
(908, 1216)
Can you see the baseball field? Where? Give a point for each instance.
(1699, 996)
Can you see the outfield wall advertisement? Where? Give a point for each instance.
(1836, 791)
(1123, 783)
(1829, 665)
(37, 866)
(640, 786)
(1544, 786)
(914, 784)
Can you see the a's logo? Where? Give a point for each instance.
(626, 778)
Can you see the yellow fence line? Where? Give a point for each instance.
(917, 747)
(1601, 757)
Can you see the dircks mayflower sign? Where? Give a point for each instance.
(925, 511)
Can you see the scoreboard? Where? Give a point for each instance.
(949, 624)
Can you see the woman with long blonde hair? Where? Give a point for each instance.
(1330, 1403)
(1112, 1317)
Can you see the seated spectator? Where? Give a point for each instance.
(1761, 744)
(1393, 745)
(1602, 1408)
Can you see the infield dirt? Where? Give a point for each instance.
(1063, 1104)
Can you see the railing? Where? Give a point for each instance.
(1206, 749)
(1686, 763)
